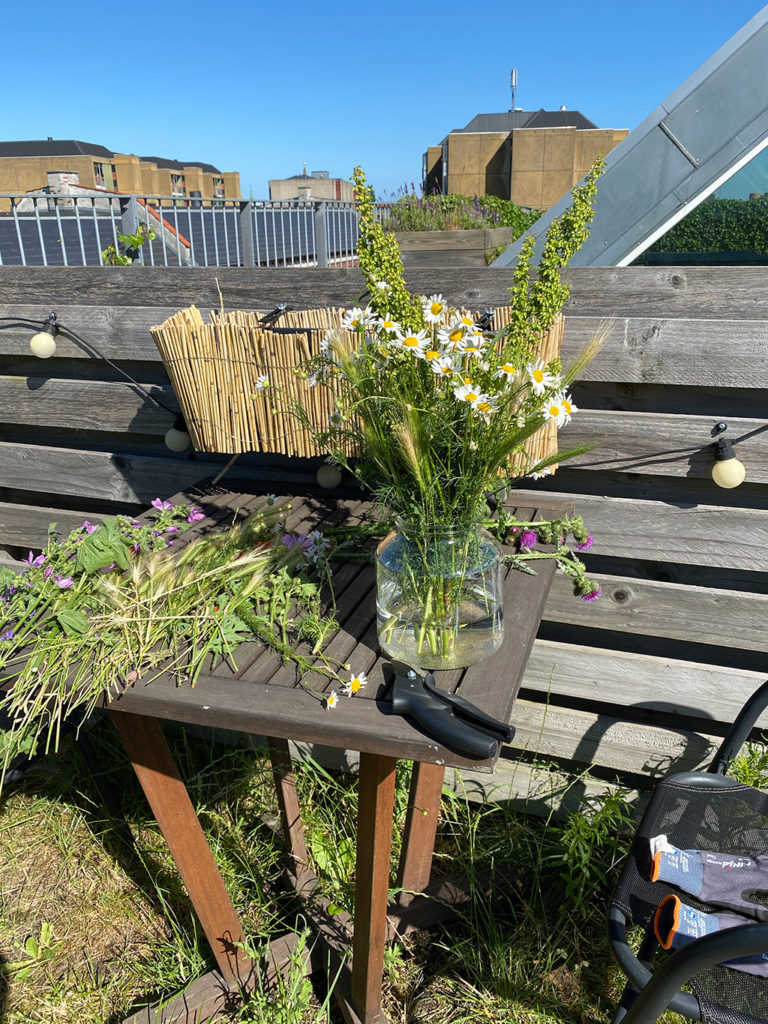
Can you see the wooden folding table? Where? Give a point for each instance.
(261, 696)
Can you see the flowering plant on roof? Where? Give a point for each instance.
(438, 407)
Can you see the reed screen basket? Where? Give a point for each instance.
(215, 366)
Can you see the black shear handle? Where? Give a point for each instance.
(438, 720)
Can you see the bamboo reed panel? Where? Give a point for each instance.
(214, 368)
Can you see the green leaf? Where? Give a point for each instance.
(73, 622)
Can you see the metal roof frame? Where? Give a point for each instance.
(701, 135)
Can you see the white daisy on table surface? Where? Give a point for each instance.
(540, 377)
(331, 700)
(467, 392)
(356, 318)
(262, 382)
(442, 365)
(412, 341)
(434, 309)
(270, 500)
(553, 411)
(355, 683)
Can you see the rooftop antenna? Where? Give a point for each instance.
(513, 85)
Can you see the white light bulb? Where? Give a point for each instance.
(728, 473)
(43, 344)
(177, 440)
(329, 476)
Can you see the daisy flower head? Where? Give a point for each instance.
(568, 407)
(547, 471)
(470, 347)
(467, 392)
(262, 382)
(335, 420)
(434, 309)
(540, 377)
(270, 500)
(442, 365)
(431, 354)
(414, 342)
(356, 682)
(325, 344)
(468, 322)
(383, 286)
(331, 700)
(356, 319)
(452, 336)
(554, 411)
(507, 372)
(386, 323)
(485, 406)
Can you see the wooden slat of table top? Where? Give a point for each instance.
(261, 695)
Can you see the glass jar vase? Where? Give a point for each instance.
(438, 595)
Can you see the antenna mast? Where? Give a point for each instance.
(513, 85)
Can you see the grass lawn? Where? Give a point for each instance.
(112, 929)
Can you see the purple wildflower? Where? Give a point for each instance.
(7, 635)
(108, 568)
(292, 539)
(88, 527)
(171, 529)
(163, 506)
(529, 539)
(592, 595)
(62, 582)
(586, 544)
(34, 562)
(195, 514)
(48, 573)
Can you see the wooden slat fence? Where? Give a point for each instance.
(636, 684)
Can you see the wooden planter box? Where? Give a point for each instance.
(451, 248)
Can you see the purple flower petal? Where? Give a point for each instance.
(195, 515)
(171, 529)
(164, 506)
(62, 582)
(587, 544)
(593, 595)
(529, 539)
(88, 527)
(8, 635)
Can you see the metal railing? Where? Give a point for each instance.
(45, 230)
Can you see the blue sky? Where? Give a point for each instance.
(261, 89)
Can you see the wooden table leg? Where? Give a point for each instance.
(420, 828)
(376, 797)
(290, 812)
(163, 787)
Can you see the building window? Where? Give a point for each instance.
(113, 169)
(98, 176)
(218, 188)
(100, 172)
(178, 185)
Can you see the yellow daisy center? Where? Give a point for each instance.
(387, 325)
(445, 369)
(567, 408)
(554, 410)
(538, 376)
(435, 308)
(468, 321)
(431, 353)
(355, 684)
(471, 396)
(485, 406)
(456, 335)
(411, 341)
(508, 368)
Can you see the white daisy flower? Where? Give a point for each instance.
(262, 382)
(485, 406)
(331, 700)
(383, 286)
(431, 354)
(568, 407)
(413, 342)
(325, 344)
(547, 471)
(335, 419)
(452, 336)
(554, 411)
(385, 323)
(270, 500)
(357, 318)
(507, 371)
(467, 392)
(471, 348)
(442, 365)
(357, 680)
(434, 309)
(467, 321)
(540, 377)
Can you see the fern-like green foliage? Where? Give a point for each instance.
(720, 225)
(380, 261)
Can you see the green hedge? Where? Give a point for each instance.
(720, 225)
(451, 212)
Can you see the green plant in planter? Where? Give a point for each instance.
(128, 247)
